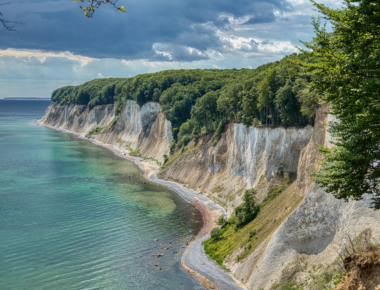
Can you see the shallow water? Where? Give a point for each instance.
(75, 216)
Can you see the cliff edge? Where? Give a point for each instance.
(138, 128)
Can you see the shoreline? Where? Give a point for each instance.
(194, 260)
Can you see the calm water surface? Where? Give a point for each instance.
(75, 216)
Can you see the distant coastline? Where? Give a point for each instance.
(26, 99)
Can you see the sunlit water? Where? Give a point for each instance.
(75, 216)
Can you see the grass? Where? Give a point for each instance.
(318, 277)
(276, 190)
(180, 153)
(113, 123)
(268, 220)
(95, 131)
(327, 277)
(137, 153)
(217, 200)
(219, 188)
(51, 115)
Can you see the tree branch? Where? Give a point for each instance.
(8, 24)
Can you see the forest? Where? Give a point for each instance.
(202, 101)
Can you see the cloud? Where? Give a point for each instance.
(41, 56)
(60, 26)
(170, 52)
(59, 46)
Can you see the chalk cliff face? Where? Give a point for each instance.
(138, 127)
(242, 158)
(318, 229)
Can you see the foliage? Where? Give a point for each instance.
(276, 190)
(94, 4)
(221, 220)
(248, 210)
(215, 233)
(346, 74)
(95, 131)
(219, 188)
(199, 102)
(254, 233)
(299, 275)
(113, 123)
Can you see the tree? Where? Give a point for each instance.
(205, 109)
(248, 210)
(8, 24)
(346, 73)
(308, 99)
(286, 103)
(95, 4)
(88, 11)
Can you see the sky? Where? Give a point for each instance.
(59, 46)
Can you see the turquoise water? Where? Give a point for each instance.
(75, 216)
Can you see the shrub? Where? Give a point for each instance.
(221, 220)
(256, 123)
(217, 189)
(248, 210)
(95, 131)
(215, 233)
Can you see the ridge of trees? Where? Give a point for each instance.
(202, 101)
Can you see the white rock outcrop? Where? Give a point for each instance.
(140, 127)
(319, 228)
(253, 152)
(239, 160)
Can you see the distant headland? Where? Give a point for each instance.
(26, 99)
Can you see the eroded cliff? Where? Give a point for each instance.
(139, 128)
(304, 228)
(243, 158)
(313, 236)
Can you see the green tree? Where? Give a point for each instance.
(268, 90)
(205, 109)
(287, 105)
(229, 101)
(309, 99)
(248, 210)
(346, 73)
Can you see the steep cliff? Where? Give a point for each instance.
(142, 128)
(243, 158)
(302, 229)
(314, 234)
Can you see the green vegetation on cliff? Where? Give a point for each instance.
(199, 102)
(244, 238)
(346, 73)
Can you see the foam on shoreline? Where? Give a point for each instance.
(194, 260)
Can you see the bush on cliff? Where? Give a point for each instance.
(248, 210)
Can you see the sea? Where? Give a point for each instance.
(75, 216)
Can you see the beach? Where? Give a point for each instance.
(194, 260)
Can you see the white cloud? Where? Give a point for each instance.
(41, 55)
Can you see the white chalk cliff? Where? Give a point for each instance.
(243, 158)
(318, 229)
(143, 128)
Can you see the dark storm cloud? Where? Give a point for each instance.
(172, 25)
